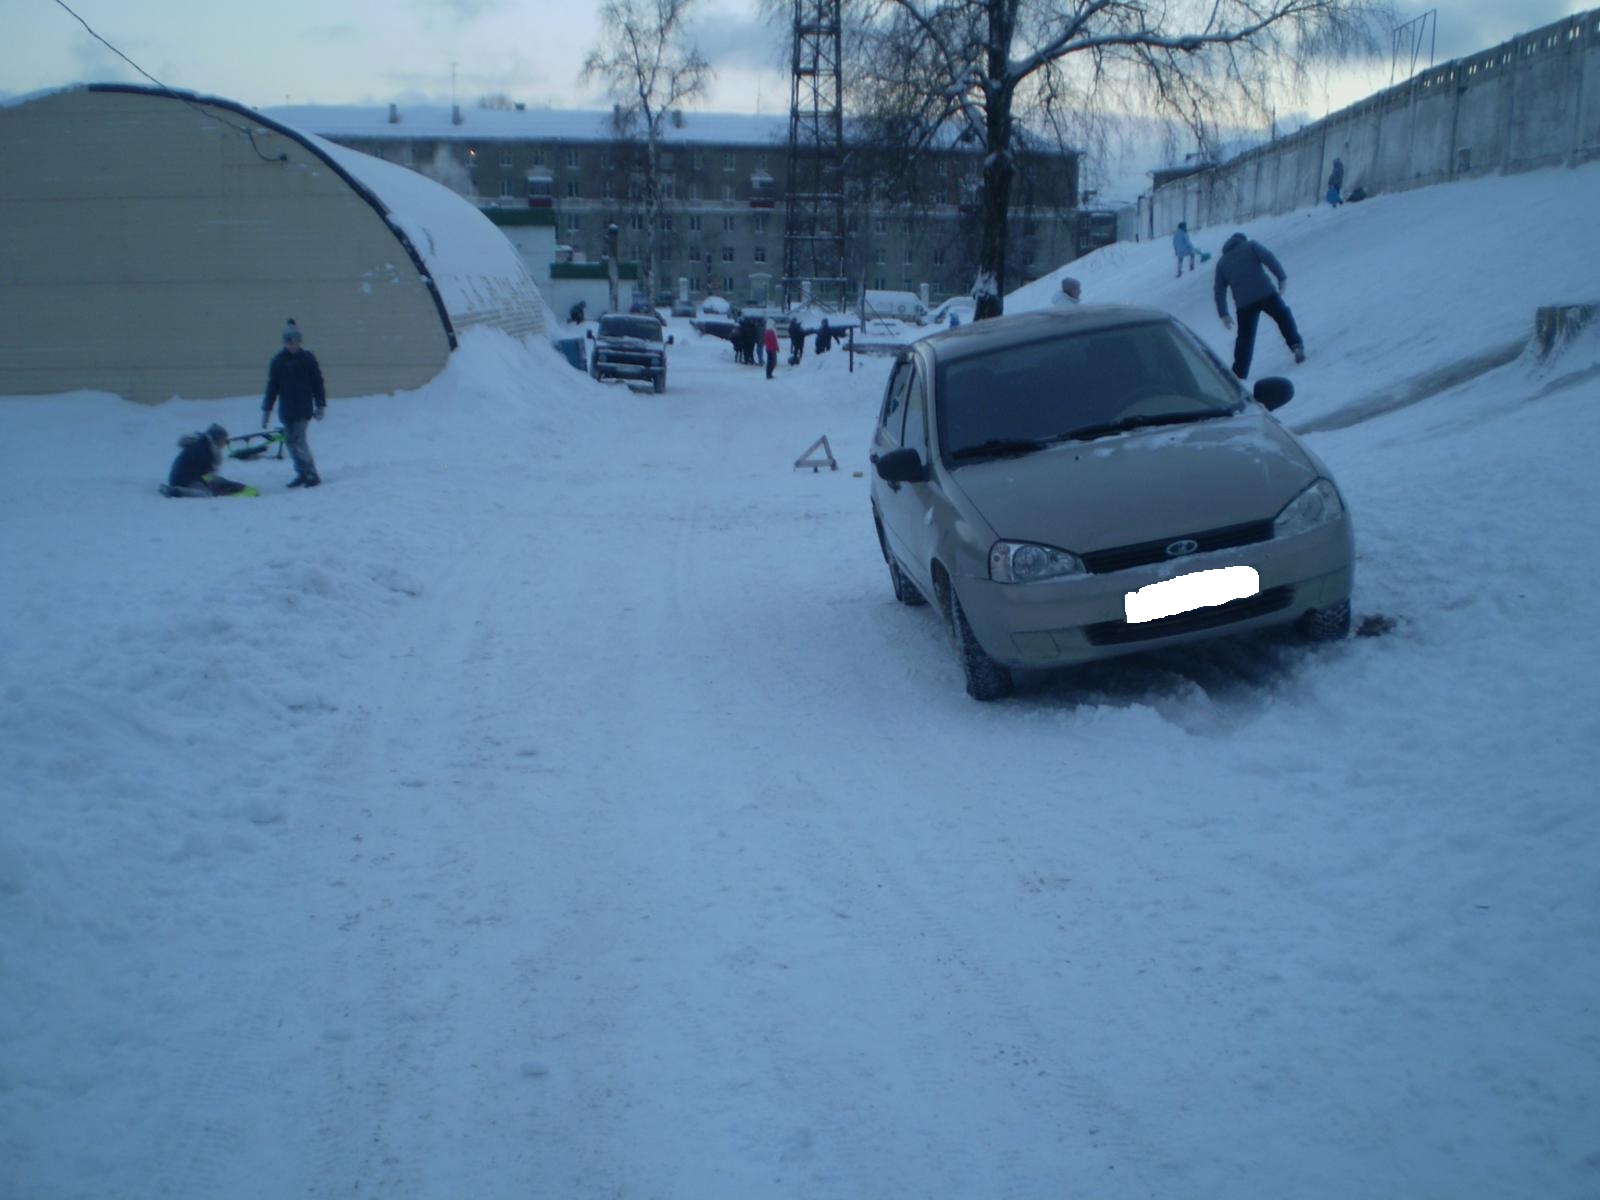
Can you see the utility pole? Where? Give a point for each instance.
(814, 212)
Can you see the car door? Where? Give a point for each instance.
(908, 507)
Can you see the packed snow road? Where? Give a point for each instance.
(557, 803)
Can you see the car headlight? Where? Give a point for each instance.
(1317, 505)
(1027, 562)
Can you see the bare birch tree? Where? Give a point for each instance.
(995, 73)
(650, 69)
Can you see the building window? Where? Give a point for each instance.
(665, 160)
(608, 189)
(694, 165)
(694, 222)
(760, 220)
(878, 283)
(538, 156)
(636, 221)
(694, 191)
(727, 224)
(505, 188)
(910, 256)
(572, 223)
(880, 256)
(666, 189)
(572, 157)
(761, 254)
(879, 225)
(505, 157)
(938, 258)
(694, 283)
(572, 190)
(727, 160)
(727, 193)
(664, 223)
(727, 254)
(938, 196)
(727, 284)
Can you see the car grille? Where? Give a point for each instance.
(1100, 562)
(1116, 633)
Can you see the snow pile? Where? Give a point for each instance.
(557, 803)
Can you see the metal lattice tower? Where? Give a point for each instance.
(814, 213)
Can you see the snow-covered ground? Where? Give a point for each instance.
(556, 803)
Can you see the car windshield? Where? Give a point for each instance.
(647, 328)
(1021, 398)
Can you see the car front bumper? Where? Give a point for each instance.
(1083, 618)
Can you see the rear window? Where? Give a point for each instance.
(634, 327)
(1049, 388)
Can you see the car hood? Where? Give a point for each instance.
(1141, 486)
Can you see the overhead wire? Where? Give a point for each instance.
(176, 95)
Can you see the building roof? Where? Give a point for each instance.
(532, 124)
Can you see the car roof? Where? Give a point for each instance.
(984, 337)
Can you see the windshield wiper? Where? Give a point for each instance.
(1107, 428)
(998, 447)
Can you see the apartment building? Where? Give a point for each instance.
(723, 180)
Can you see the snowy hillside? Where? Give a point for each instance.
(557, 803)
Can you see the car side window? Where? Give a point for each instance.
(916, 406)
(894, 402)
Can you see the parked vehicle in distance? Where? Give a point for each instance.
(630, 346)
(964, 308)
(1072, 485)
(893, 306)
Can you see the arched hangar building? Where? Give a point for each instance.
(156, 241)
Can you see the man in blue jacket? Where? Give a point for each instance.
(295, 378)
(1243, 267)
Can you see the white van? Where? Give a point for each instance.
(893, 306)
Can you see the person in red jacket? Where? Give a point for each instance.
(769, 342)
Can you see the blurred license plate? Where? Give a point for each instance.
(1200, 589)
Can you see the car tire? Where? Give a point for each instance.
(660, 382)
(986, 679)
(904, 590)
(1331, 624)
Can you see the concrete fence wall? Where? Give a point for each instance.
(1532, 102)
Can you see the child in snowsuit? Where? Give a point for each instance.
(1336, 183)
(1241, 268)
(1183, 247)
(769, 341)
(194, 471)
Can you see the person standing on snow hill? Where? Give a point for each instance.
(1336, 183)
(1243, 267)
(1183, 247)
(769, 342)
(296, 379)
(194, 471)
(1071, 292)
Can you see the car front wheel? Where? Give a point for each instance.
(660, 381)
(986, 679)
(1329, 624)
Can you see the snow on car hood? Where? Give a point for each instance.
(1143, 485)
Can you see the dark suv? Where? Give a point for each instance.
(630, 346)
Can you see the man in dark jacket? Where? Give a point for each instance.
(1336, 183)
(295, 378)
(1243, 267)
(194, 471)
(797, 341)
(824, 337)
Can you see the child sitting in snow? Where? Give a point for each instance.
(194, 471)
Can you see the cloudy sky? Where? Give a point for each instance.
(367, 51)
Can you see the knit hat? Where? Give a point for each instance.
(291, 331)
(217, 433)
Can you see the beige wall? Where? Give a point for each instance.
(148, 250)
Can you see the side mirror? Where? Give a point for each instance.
(589, 335)
(901, 466)
(1273, 392)
(669, 339)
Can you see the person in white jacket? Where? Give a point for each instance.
(1071, 292)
